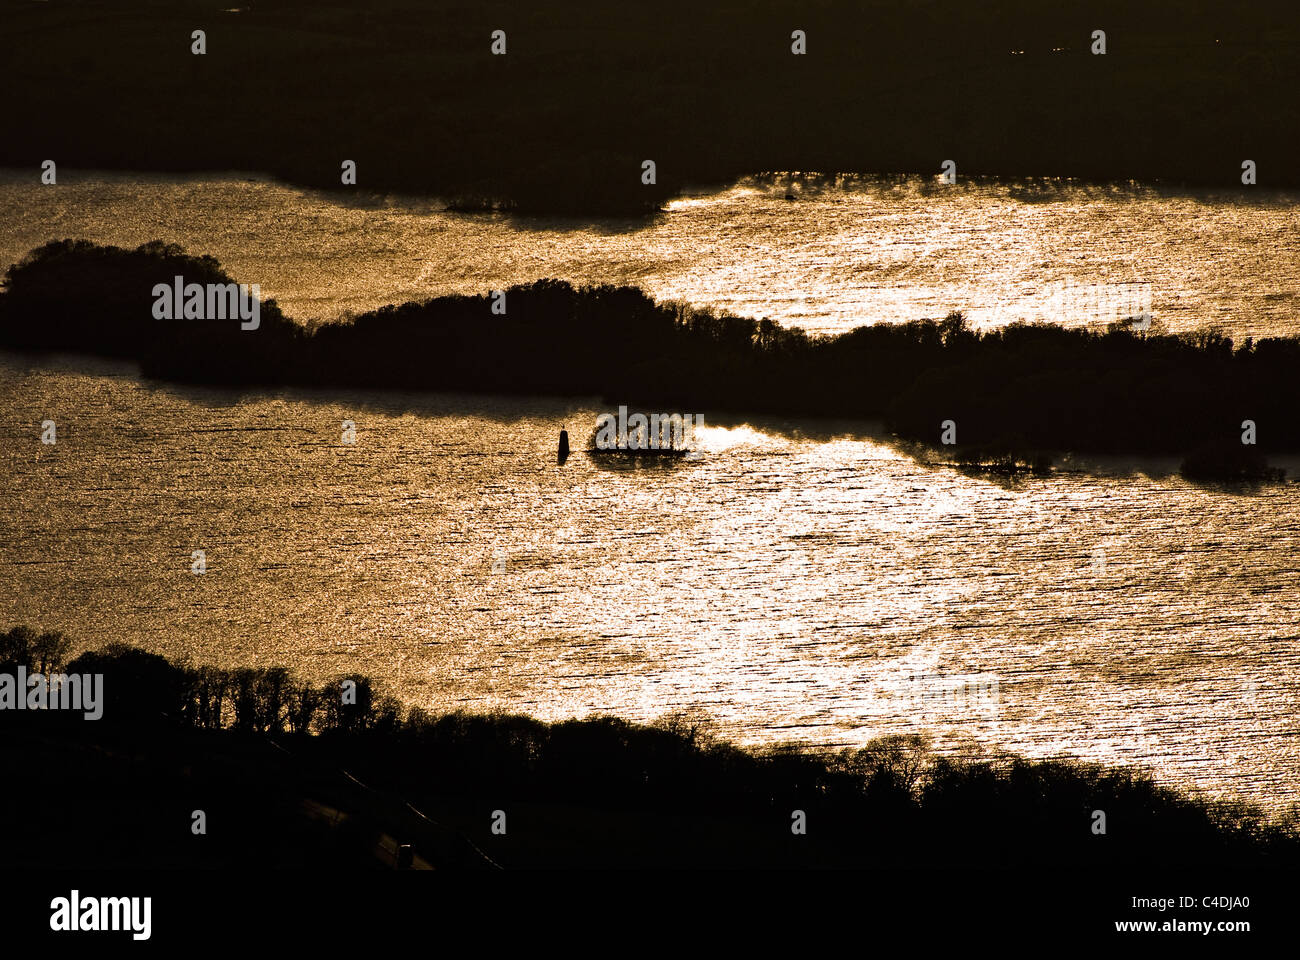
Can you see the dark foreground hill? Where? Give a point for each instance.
(289, 774)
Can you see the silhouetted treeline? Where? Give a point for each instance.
(587, 90)
(78, 296)
(671, 789)
(1019, 390)
(40, 652)
(147, 688)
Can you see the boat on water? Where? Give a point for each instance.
(640, 447)
(638, 436)
(646, 452)
(631, 451)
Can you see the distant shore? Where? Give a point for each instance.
(562, 113)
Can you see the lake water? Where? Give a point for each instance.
(804, 581)
(846, 252)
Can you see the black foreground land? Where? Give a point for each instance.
(288, 775)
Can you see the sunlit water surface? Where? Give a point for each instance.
(801, 582)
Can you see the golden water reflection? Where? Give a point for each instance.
(794, 584)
